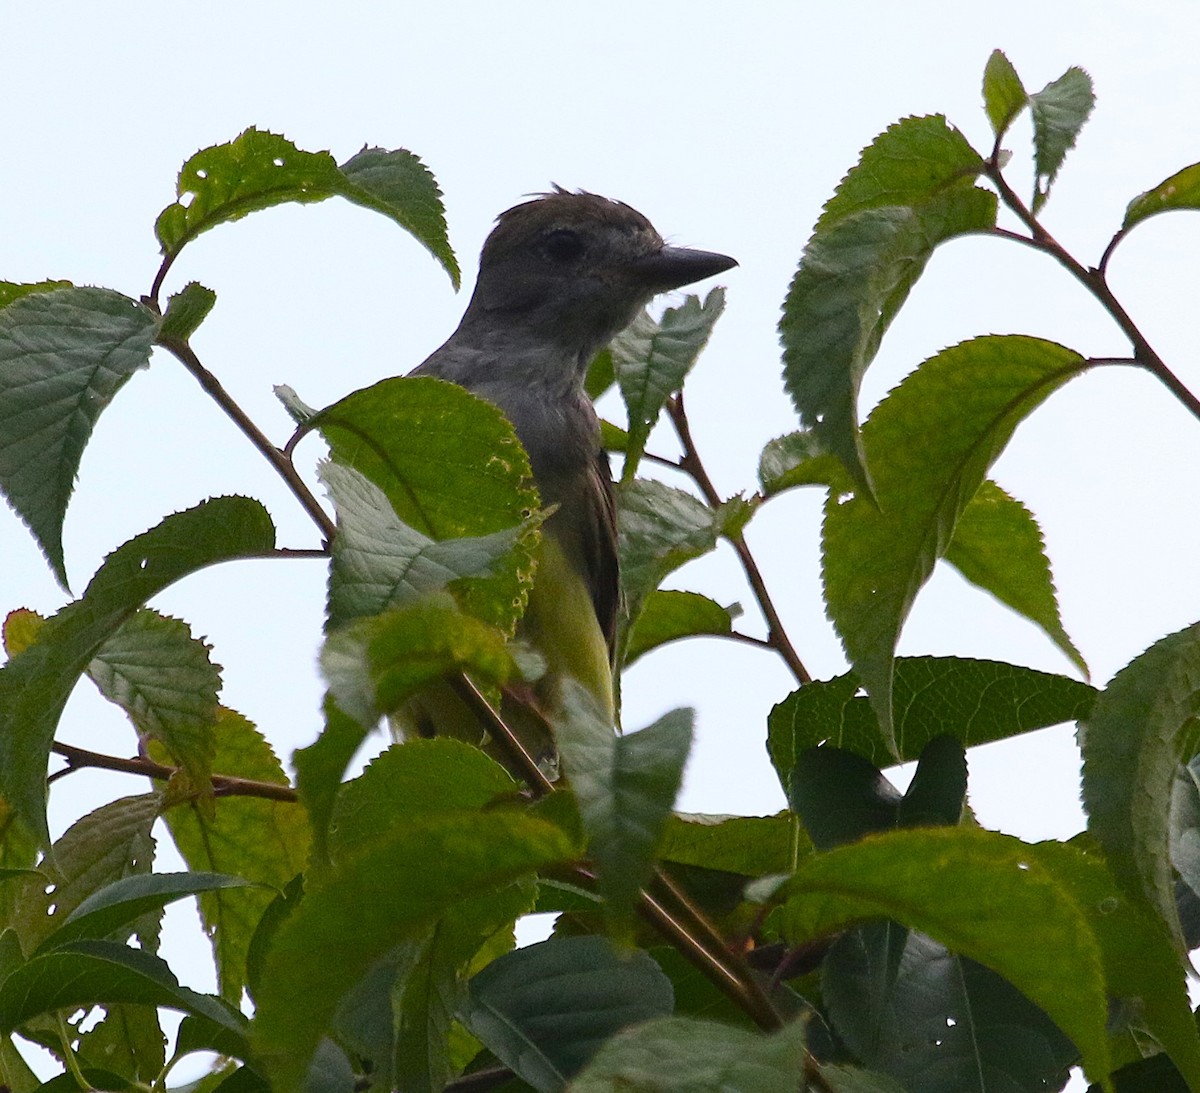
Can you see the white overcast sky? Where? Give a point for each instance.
(729, 131)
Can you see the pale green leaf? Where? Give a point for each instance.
(1004, 96)
(998, 546)
(931, 442)
(64, 355)
(1059, 112)
(1142, 726)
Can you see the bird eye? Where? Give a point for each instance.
(564, 245)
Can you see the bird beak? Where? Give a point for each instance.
(674, 267)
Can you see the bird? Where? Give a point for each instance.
(560, 276)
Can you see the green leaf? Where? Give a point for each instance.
(372, 666)
(1059, 111)
(320, 768)
(165, 681)
(669, 616)
(938, 1022)
(451, 466)
(258, 170)
(948, 883)
(380, 562)
(123, 901)
(420, 779)
(397, 184)
(35, 685)
(403, 880)
(975, 701)
(104, 846)
(931, 442)
(601, 374)
(1142, 968)
(750, 845)
(998, 546)
(264, 841)
(911, 190)
(1180, 191)
(64, 355)
(544, 1010)
(659, 528)
(848, 1079)
(683, 1055)
(11, 290)
(94, 973)
(625, 786)
(129, 1040)
(1143, 724)
(186, 310)
(652, 359)
(798, 459)
(428, 1000)
(1004, 96)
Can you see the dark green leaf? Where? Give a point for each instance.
(1180, 191)
(998, 545)
(545, 1009)
(64, 355)
(1142, 726)
(451, 466)
(405, 879)
(930, 442)
(92, 973)
(625, 786)
(264, 841)
(975, 701)
(380, 562)
(1059, 112)
(939, 1022)
(186, 310)
(1156, 1074)
(682, 1055)
(668, 616)
(911, 190)
(842, 797)
(397, 184)
(163, 679)
(652, 359)
(35, 686)
(948, 882)
(1004, 96)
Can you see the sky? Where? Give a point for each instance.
(729, 131)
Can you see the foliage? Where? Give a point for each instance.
(863, 940)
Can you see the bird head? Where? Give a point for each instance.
(573, 269)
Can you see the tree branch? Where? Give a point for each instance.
(690, 462)
(224, 785)
(278, 459)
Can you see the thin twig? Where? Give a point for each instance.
(690, 462)
(224, 785)
(1095, 281)
(282, 464)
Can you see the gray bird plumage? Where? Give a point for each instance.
(559, 277)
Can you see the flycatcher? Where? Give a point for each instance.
(559, 277)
